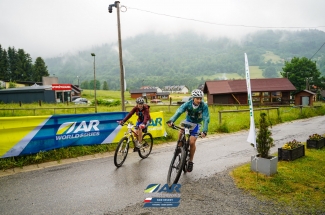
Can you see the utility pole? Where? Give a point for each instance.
(93, 54)
(110, 8)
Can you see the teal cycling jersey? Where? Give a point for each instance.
(197, 115)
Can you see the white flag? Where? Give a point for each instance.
(252, 134)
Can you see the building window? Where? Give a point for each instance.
(256, 99)
(276, 96)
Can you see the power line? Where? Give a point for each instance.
(317, 51)
(219, 24)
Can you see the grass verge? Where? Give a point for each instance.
(299, 184)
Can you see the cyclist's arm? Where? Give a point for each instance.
(146, 116)
(179, 112)
(206, 118)
(129, 115)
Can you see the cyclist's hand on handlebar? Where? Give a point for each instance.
(203, 134)
(142, 126)
(170, 123)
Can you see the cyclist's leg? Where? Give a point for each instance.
(139, 132)
(193, 138)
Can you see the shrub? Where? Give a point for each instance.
(264, 140)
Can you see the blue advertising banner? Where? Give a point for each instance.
(29, 135)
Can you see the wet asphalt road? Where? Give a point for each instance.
(98, 187)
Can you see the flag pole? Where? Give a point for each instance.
(252, 133)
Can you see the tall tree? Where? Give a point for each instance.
(321, 64)
(91, 84)
(4, 65)
(270, 72)
(24, 66)
(84, 85)
(302, 72)
(12, 58)
(39, 70)
(105, 85)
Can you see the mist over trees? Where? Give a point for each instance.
(161, 60)
(187, 58)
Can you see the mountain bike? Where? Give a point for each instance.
(122, 149)
(181, 154)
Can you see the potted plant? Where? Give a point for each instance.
(291, 150)
(263, 162)
(315, 141)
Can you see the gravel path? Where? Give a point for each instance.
(214, 195)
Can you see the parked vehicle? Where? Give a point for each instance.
(74, 98)
(80, 101)
(157, 101)
(184, 99)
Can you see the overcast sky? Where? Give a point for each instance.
(53, 28)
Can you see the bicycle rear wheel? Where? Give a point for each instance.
(176, 166)
(147, 142)
(121, 152)
(187, 158)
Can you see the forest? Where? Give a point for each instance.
(187, 58)
(17, 65)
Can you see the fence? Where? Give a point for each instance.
(35, 109)
(246, 110)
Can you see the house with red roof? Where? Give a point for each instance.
(266, 91)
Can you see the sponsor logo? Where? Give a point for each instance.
(157, 195)
(71, 130)
(156, 122)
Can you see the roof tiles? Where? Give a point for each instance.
(257, 85)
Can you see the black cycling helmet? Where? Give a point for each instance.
(140, 100)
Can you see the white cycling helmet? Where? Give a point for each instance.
(197, 93)
(140, 100)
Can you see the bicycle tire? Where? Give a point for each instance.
(176, 167)
(121, 152)
(147, 142)
(187, 158)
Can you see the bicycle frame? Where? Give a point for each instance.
(130, 133)
(185, 136)
(181, 154)
(122, 149)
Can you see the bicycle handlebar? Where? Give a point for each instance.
(173, 126)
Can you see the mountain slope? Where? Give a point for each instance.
(187, 58)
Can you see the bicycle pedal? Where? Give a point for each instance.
(145, 145)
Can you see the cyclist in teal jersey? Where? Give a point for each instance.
(197, 112)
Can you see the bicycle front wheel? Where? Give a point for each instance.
(147, 142)
(121, 152)
(176, 166)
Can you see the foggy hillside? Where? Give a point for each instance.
(187, 58)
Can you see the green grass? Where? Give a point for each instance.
(220, 76)
(273, 57)
(231, 122)
(255, 72)
(299, 184)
